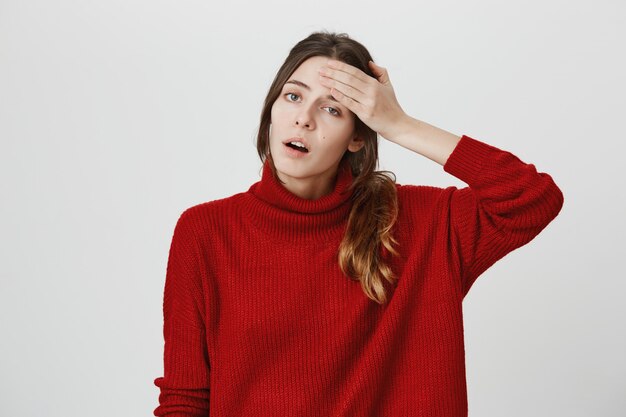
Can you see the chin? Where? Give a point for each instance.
(284, 167)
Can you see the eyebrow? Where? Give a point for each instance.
(303, 85)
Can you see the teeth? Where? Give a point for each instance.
(300, 144)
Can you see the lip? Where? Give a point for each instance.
(298, 139)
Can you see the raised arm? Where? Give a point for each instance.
(507, 202)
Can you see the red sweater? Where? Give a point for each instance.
(260, 321)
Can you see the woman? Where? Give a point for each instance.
(326, 289)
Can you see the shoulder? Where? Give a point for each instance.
(423, 197)
(424, 208)
(205, 216)
(213, 205)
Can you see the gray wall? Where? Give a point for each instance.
(117, 115)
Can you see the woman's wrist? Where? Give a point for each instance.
(430, 141)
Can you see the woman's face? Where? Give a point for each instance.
(305, 112)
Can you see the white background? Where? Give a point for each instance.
(117, 115)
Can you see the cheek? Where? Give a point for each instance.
(340, 132)
(279, 111)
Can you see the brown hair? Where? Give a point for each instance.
(374, 199)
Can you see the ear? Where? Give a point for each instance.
(356, 144)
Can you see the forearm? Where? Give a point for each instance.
(430, 141)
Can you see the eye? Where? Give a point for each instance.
(291, 94)
(333, 111)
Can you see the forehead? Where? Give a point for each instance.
(311, 65)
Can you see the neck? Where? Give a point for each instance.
(310, 188)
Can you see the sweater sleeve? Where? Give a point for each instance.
(505, 206)
(184, 387)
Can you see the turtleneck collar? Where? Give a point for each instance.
(282, 214)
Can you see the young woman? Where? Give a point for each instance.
(327, 289)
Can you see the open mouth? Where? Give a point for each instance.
(299, 146)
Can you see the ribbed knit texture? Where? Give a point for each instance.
(260, 321)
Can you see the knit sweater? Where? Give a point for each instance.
(260, 321)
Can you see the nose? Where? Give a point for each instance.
(304, 119)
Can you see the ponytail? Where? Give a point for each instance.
(369, 236)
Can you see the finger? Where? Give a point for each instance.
(348, 69)
(353, 105)
(346, 89)
(344, 78)
(380, 72)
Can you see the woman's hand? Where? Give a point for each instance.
(372, 100)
